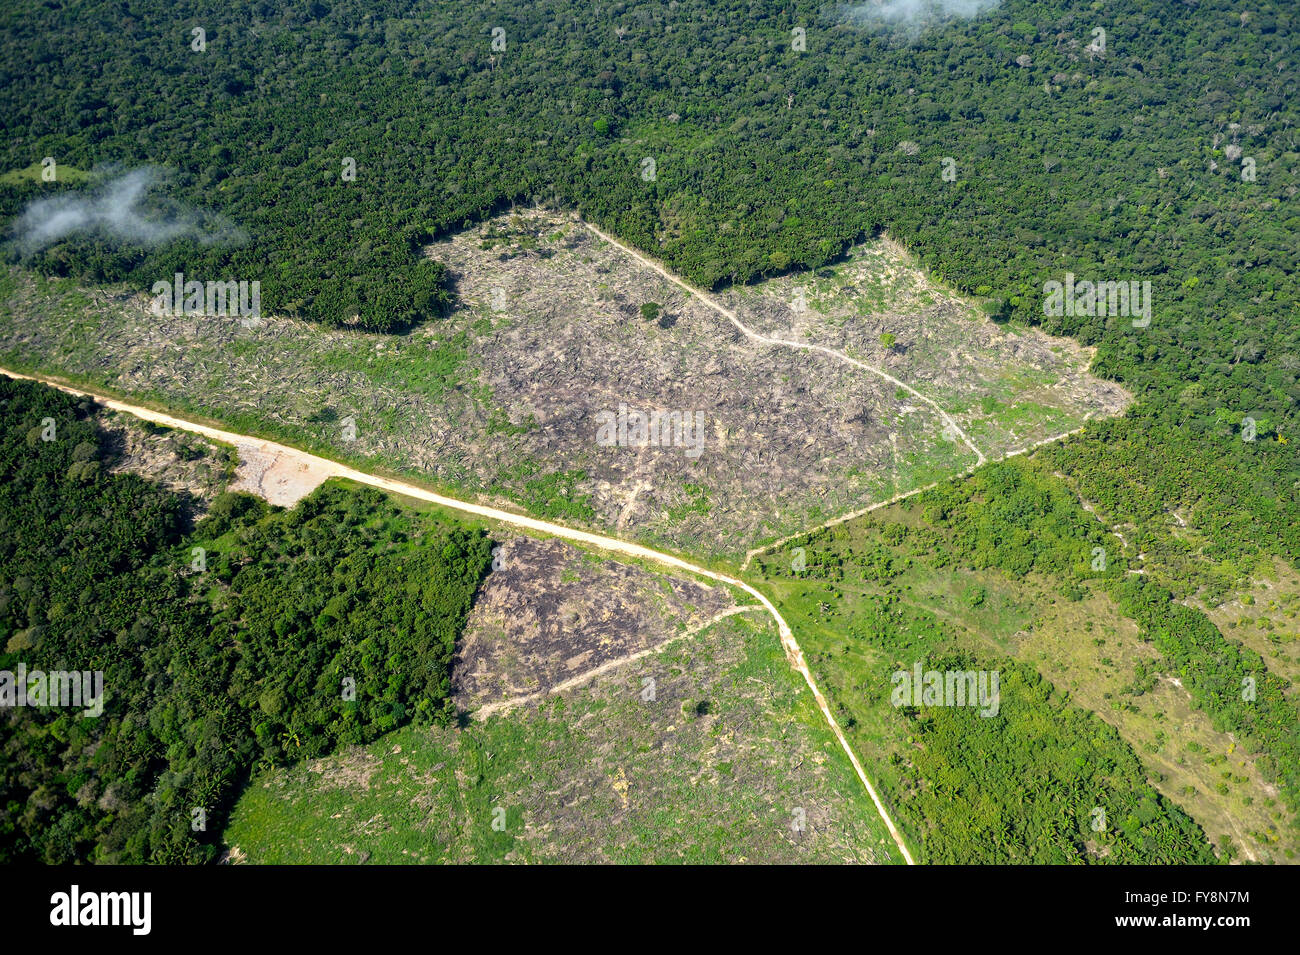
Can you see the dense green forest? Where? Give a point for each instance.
(286, 634)
(1113, 165)
(1170, 157)
(766, 157)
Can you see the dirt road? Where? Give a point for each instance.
(749, 333)
(310, 467)
(852, 515)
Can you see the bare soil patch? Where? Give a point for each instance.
(267, 473)
(550, 612)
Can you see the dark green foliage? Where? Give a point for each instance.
(1241, 498)
(766, 159)
(1042, 783)
(319, 594)
(956, 782)
(207, 673)
(1077, 162)
(1017, 517)
(1021, 782)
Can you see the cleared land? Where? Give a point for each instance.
(503, 399)
(549, 613)
(1264, 618)
(187, 465)
(1006, 387)
(729, 762)
(790, 649)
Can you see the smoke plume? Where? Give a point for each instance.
(120, 210)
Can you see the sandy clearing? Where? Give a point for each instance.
(267, 473)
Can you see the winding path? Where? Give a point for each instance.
(902, 496)
(327, 468)
(748, 332)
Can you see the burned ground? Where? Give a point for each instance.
(505, 397)
(549, 612)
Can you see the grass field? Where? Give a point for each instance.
(35, 173)
(729, 762)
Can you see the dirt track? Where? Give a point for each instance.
(312, 467)
(786, 343)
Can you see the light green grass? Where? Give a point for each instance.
(715, 769)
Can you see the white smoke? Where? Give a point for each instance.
(912, 15)
(117, 210)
